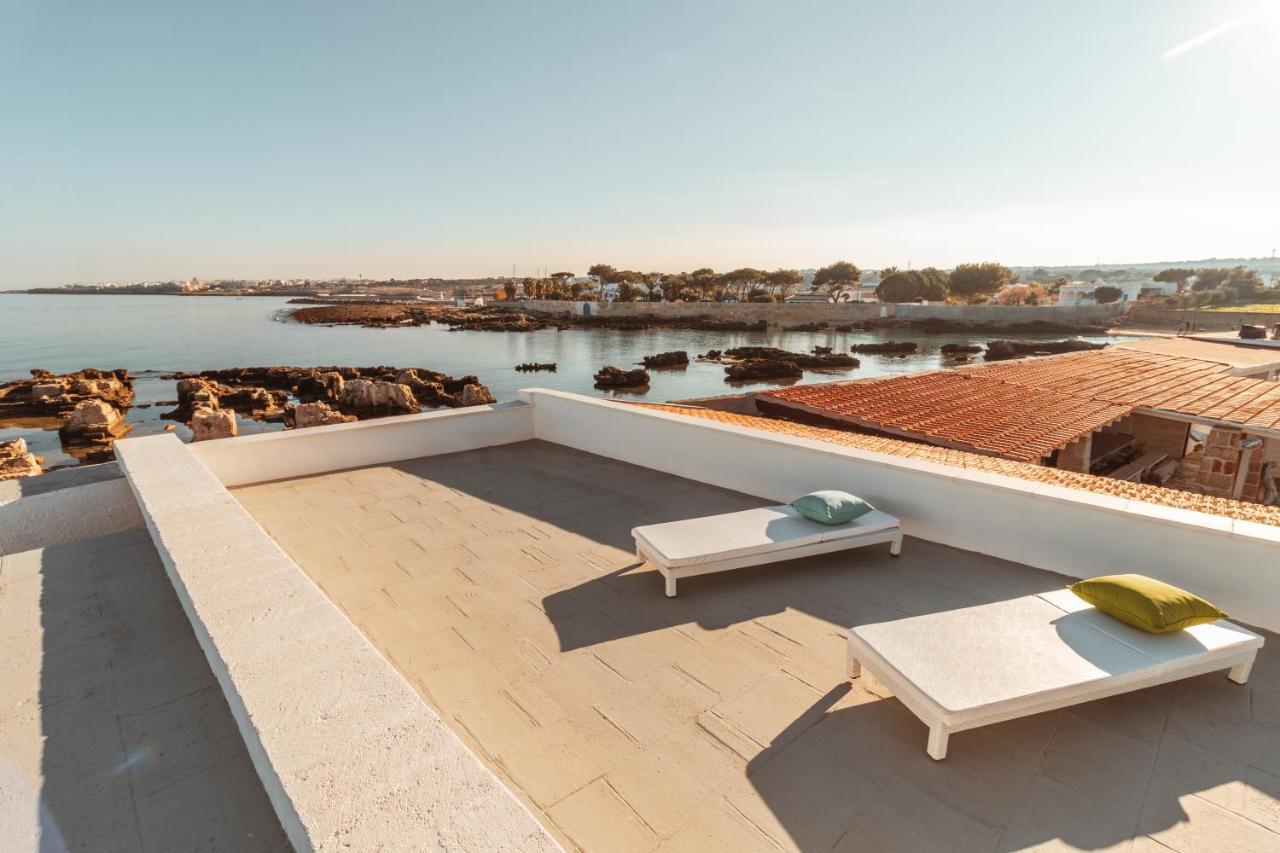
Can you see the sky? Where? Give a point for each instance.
(163, 140)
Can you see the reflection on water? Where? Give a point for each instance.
(165, 333)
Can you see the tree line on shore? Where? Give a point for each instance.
(966, 283)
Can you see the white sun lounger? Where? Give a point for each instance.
(981, 665)
(721, 543)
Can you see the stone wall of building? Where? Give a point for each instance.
(1162, 435)
(1221, 458)
(1149, 315)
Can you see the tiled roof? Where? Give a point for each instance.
(973, 461)
(971, 411)
(1188, 386)
(1027, 408)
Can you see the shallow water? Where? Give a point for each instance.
(150, 335)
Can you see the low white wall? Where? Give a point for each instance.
(67, 515)
(348, 753)
(299, 453)
(1081, 534)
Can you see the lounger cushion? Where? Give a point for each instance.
(755, 531)
(831, 507)
(1146, 603)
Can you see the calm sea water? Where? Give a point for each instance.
(150, 335)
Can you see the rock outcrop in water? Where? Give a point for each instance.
(370, 398)
(614, 377)
(195, 393)
(54, 395)
(93, 422)
(805, 360)
(1001, 350)
(676, 358)
(208, 423)
(762, 368)
(15, 461)
(314, 414)
(886, 348)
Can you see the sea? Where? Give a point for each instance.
(155, 335)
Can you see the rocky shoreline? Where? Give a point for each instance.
(512, 318)
(90, 407)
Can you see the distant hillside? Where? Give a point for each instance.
(1267, 267)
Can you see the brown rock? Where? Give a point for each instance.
(93, 422)
(208, 423)
(475, 395)
(313, 414)
(47, 394)
(613, 377)
(367, 398)
(762, 368)
(15, 461)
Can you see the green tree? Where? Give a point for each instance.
(978, 279)
(1106, 294)
(704, 280)
(509, 290)
(1210, 278)
(837, 279)
(936, 283)
(900, 286)
(1175, 275)
(603, 272)
(740, 281)
(782, 283)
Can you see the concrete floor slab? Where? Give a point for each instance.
(721, 719)
(113, 733)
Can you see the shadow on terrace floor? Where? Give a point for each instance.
(721, 718)
(123, 740)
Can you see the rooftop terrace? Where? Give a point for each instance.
(503, 584)
(430, 632)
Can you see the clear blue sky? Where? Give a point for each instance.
(148, 140)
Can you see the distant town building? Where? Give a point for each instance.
(1081, 292)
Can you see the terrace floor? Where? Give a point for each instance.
(503, 584)
(114, 735)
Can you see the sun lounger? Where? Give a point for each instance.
(721, 543)
(966, 668)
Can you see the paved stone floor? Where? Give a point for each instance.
(502, 583)
(114, 735)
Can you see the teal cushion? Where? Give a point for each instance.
(831, 507)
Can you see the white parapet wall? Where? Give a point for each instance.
(348, 753)
(299, 453)
(1073, 532)
(81, 510)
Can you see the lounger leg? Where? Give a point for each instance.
(671, 586)
(938, 736)
(895, 547)
(852, 665)
(1240, 673)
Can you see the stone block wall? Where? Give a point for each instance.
(1221, 456)
(1163, 435)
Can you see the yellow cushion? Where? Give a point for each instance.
(1146, 603)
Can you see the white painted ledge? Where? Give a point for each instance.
(267, 456)
(59, 516)
(348, 753)
(1070, 531)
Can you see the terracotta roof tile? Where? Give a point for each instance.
(992, 464)
(1025, 409)
(966, 410)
